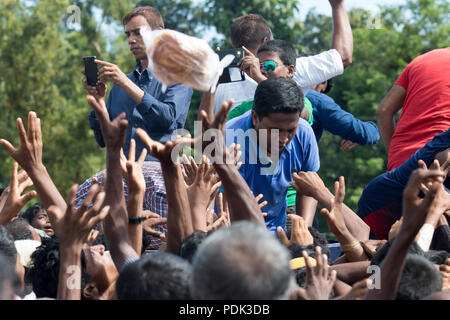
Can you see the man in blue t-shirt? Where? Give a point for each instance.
(268, 156)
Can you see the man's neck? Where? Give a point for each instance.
(144, 65)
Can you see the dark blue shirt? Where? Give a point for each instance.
(159, 113)
(327, 115)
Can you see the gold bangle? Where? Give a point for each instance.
(350, 246)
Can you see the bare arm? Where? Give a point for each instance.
(306, 207)
(207, 105)
(342, 39)
(29, 157)
(389, 106)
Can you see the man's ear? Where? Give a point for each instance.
(291, 71)
(90, 291)
(255, 119)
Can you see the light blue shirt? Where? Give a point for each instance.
(301, 154)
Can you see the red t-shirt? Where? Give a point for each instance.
(426, 109)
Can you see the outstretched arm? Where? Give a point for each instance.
(116, 223)
(342, 39)
(29, 157)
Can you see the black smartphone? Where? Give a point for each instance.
(232, 72)
(91, 69)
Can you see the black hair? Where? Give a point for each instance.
(7, 273)
(7, 246)
(44, 270)
(278, 95)
(32, 211)
(20, 229)
(419, 279)
(329, 85)
(383, 250)
(284, 49)
(249, 31)
(155, 276)
(437, 256)
(190, 244)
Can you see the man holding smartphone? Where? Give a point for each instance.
(139, 94)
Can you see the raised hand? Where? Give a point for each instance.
(299, 234)
(415, 209)
(132, 170)
(111, 73)
(154, 220)
(75, 225)
(222, 219)
(14, 200)
(99, 91)
(29, 152)
(114, 132)
(307, 183)
(250, 65)
(335, 218)
(189, 169)
(319, 282)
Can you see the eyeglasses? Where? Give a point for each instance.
(269, 66)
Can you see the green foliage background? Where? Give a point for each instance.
(41, 58)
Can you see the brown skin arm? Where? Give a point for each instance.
(389, 106)
(306, 208)
(342, 38)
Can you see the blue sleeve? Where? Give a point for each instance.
(342, 123)
(311, 160)
(162, 114)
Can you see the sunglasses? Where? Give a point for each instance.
(269, 66)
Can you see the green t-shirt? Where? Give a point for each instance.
(248, 105)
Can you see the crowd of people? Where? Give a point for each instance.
(235, 218)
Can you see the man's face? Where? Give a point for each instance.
(286, 123)
(134, 38)
(281, 70)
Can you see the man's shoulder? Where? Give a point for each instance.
(240, 122)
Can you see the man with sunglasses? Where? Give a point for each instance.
(251, 31)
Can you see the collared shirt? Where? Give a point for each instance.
(329, 116)
(159, 113)
(154, 199)
(301, 154)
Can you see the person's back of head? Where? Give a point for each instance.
(419, 279)
(8, 278)
(155, 276)
(244, 261)
(278, 95)
(250, 31)
(7, 246)
(383, 250)
(191, 243)
(20, 229)
(151, 14)
(284, 49)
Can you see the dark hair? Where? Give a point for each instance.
(44, 270)
(437, 256)
(278, 95)
(382, 252)
(249, 31)
(155, 276)
(7, 246)
(152, 15)
(190, 244)
(32, 211)
(20, 229)
(319, 239)
(7, 272)
(419, 279)
(329, 85)
(284, 49)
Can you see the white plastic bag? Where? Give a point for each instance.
(174, 57)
